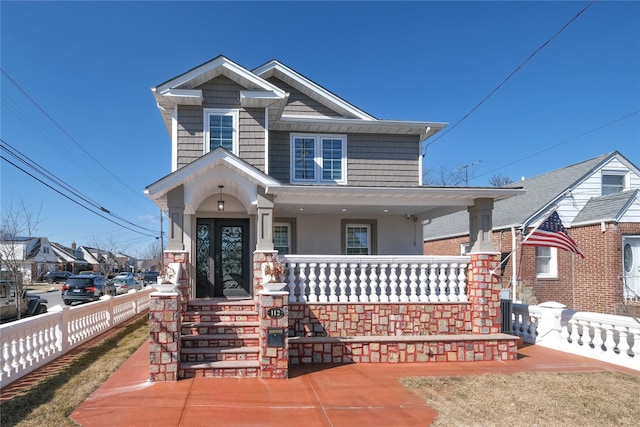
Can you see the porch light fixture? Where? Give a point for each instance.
(220, 201)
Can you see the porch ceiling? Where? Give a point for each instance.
(422, 202)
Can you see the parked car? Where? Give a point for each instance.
(57, 276)
(150, 277)
(124, 275)
(125, 284)
(31, 305)
(85, 288)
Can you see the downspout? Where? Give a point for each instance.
(174, 139)
(514, 260)
(266, 140)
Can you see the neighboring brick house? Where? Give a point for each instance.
(598, 203)
(267, 159)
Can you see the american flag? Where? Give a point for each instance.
(553, 234)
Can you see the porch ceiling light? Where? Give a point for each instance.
(220, 201)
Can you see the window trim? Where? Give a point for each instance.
(617, 173)
(553, 263)
(318, 168)
(373, 234)
(207, 113)
(291, 224)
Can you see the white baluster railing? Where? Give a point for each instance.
(30, 343)
(609, 338)
(362, 279)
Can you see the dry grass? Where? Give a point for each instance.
(52, 400)
(532, 399)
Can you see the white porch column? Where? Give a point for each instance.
(264, 222)
(175, 203)
(480, 225)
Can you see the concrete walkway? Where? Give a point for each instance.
(318, 395)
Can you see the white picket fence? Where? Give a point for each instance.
(30, 343)
(609, 338)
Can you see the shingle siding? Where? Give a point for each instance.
(383, 160)
(372, 160)
(300, 104)
(221, 92)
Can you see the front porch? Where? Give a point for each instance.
(335, 309)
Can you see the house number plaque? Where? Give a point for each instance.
(275, 313)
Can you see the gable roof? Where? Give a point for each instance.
(260, 93)
(543, 191)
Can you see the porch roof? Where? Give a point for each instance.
(420, 202)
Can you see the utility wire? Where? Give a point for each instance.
(39, 169)
(67, 197)
(67, 134)
(449, 129)
(559, 144)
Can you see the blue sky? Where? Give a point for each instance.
(90, 67)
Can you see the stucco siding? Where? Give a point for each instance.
(300, 104)
(321, 234)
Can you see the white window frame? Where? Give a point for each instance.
(621, 174)
(318, 159)
(552, 257)
(287, 225)
(357, 225)
(208, 112)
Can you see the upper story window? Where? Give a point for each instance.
(319, 159)
(220, 129)
(546, 262)
(612, 182)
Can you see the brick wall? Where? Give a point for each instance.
(344, 319)
(592, 284)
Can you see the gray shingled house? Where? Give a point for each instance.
(597, 201)
(266, 159)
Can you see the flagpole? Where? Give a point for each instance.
(539, 224)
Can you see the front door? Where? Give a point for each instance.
(631, 267)
(222, 258)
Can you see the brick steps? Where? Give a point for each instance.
(220, 338)
(220, 354)
(233, 369)
(204, 328)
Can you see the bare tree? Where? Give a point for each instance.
(104, 254)
(17, 222)
(152, 257)
(499, 180)
(444, 176)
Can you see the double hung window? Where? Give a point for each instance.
(282, 237)
(319, 159)
(612, 182)
(546, 262)
(358, 239)
(221, 129)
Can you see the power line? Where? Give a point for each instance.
(559, 144)
(137, 193)
(39, 169)
(449, 129)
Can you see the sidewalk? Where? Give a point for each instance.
(316, 395)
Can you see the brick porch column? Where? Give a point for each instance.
(484, 293)
(273, 308)
(181, 257)
(164, 334)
